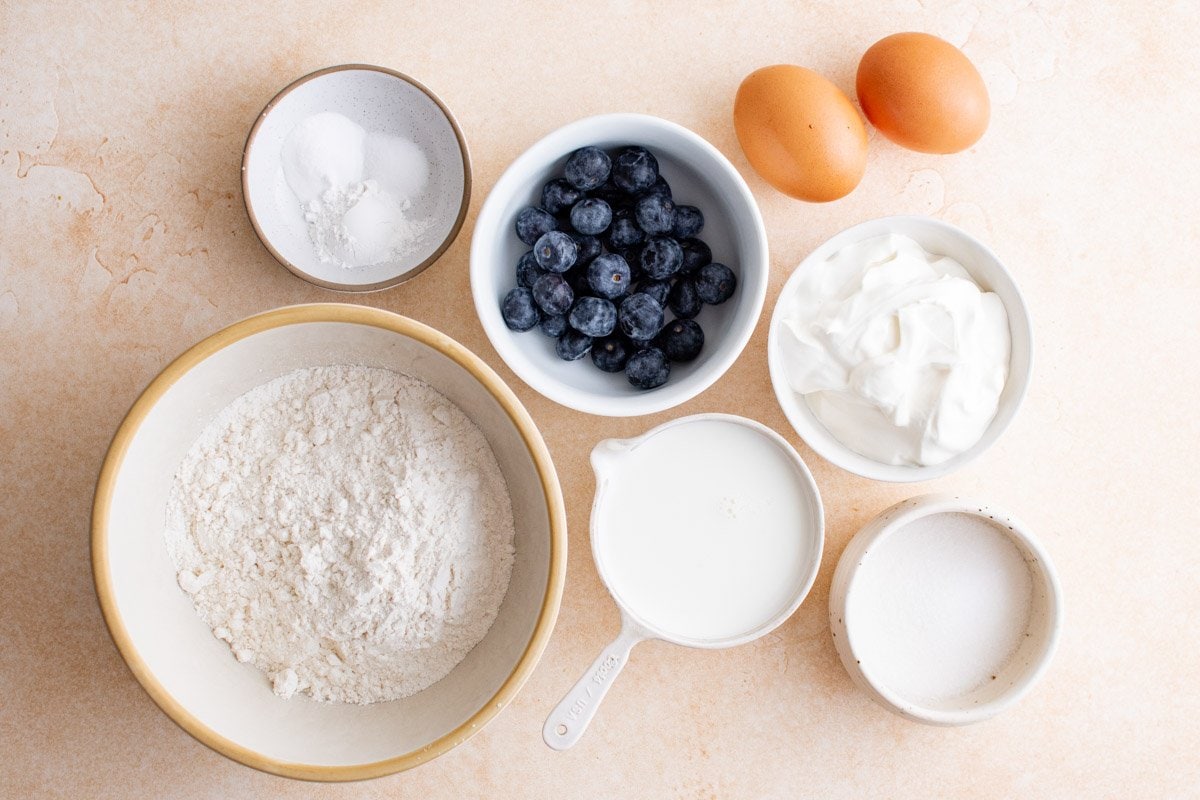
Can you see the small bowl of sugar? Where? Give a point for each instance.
(356, 178)
(944, 610)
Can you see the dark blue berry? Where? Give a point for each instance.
(589, 248)
(594, 316)
(553, 294)
(640, 316)
(659, 290)
(532, 223)
(553, 326)
(661, 257)
(518, 309)
(587, 168)
(689, 221)
(624, 232)
(609, 276)
(684, 301)
(591, 216)
(555, 251)
(681, 340)
(655, 213)
(648, 369)
(715, 283)
(610, 354)
(528, 270)
(572, 345)
(612, 194)
(558, 196)
(634, 170)
(695, 255)
(659, 188)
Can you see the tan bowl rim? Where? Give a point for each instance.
(378, 318)
(388, 282)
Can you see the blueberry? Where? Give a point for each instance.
(609, 276)
(660, 188)
(591, 216)
(684, 300)
(518, 309)
(555, 251)
(689, 221)
(553, 294)
(695, 255)
(587, 168)
(572, 345)
(553, 326)
(715, 283)
(661, 257)
(610, 354)
(648, 369)
(558, 196)
(528, 270)
(589, 248)
(624, 232)
(532, 223)
(612, 194)
(594, 316)
(659, 290)
(640, 316)
(681, 340)
(634, 169)
(655, 214)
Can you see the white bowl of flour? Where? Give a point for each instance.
(356, 177)
(329, 542)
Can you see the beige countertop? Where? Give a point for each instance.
(124, 240)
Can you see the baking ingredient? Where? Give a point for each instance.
(355, 189)
(704, 530)
(609, 237)
(346, 529)
(923, 93)
(800, 133)
(898, 352)
(939, 607)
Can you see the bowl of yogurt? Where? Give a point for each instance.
(356, 177)
(900, 349)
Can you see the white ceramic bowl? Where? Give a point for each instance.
(699, 175)
(192, 675)
(378, 99)
(985, 268)
(1019, 673)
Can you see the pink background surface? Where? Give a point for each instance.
(125, 240)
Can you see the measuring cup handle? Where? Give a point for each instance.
(570, 718)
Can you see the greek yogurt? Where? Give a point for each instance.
(897, 351)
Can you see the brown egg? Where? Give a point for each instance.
(923, 93)
(800, 132)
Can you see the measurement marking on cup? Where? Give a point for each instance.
(600, 677)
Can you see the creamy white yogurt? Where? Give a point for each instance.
(897, 351)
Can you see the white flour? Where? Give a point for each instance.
(345, 529)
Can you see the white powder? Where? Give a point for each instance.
(940, 606)
(355, 189)
(345, 529)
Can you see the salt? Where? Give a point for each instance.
(355, 189)
(940, 606)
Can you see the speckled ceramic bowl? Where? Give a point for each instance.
(192, 675)
(378, 99)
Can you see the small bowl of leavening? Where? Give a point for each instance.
(356, 177)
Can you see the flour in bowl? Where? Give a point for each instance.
(345, 529)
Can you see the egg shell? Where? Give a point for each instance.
(800, 132)
(923, 93)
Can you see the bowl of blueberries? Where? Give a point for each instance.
(619, 265)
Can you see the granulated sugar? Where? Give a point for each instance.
(345, 529)
(940, 606)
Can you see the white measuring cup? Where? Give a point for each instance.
(740, 560)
